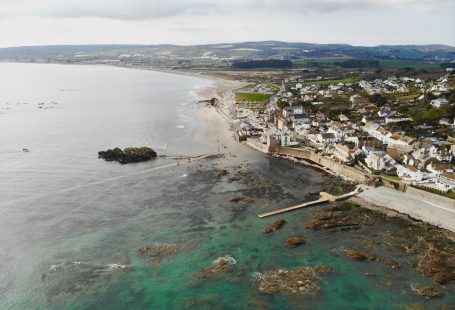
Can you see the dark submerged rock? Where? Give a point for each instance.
(437, 264)
(334, 217)
(361, 256)
(267, 230)
(391, 263)
(425, 291)
(294, 242)
(274, 226)
(278, 224)
(157, 252)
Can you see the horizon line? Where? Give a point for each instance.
(222, 43)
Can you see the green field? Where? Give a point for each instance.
(397, 63)
(383, 63)
(305, 61)
(251, 97)
(350, 79)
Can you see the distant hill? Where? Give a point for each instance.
(232, 51)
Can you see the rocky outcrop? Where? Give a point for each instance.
(278, 224)
(221, 264)
(157, 252)
(128, 155)
(437, 264)
(241, 198)
(294, 242)
(361, 256)
(391, 263)
(333, 218)
(297, 281)
(425, 291)
(274, 226)
(222, 173)
(336, 186)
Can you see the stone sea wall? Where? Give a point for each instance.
(340, 168)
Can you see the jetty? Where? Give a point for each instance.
(325, 197)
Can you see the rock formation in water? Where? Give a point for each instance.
(294, 242)
(360, 256)
(300, 280)
(239, 198)
(128, 155)
(156, 252)
(335, 217)
(437, 264)
(220, 265)
(274, 226)
(425, 291)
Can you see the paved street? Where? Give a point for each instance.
(442, 216)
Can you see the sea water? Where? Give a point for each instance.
(71, 224)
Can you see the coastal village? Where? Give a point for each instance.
(398, 130)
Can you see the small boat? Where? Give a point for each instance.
(25, 150)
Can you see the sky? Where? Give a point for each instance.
(186, 22)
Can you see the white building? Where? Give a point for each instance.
(356, 99)
(379, 160)
(439, 102)
(410, 173)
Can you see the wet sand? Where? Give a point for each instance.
(218, 120)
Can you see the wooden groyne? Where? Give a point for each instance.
(325, 197)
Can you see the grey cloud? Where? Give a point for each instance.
(120, 9)
(155, 9)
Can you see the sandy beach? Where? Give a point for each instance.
(218, 120)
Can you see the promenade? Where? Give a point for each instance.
(417, 207)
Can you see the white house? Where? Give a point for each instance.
(410, 173)
(345, 152)
(301, 127)
(396, 119)
(384, 111)
(439, 102)
(286, 136)
(298, 109)
(339, 133)
(437, 169)
(379, 160)
(312, 135)
(326, 138)
(343, 118)
(356, 100)
(288, 111)
(446, 181)
(445, 122)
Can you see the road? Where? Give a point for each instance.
(441, 216)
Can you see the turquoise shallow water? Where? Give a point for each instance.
(66, 218)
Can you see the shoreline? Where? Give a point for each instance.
(219, 124)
